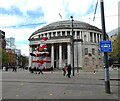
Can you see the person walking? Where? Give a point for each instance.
(14, 69)
(69, 70)
(40, 69)
(65, 69)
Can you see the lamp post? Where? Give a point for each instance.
(107, 78)
(72, 47)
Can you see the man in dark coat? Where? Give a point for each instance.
(69, 70)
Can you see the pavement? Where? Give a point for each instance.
(53, 85)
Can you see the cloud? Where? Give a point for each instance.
(20, 18)
(111, 16)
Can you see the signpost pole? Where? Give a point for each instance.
(106, 68)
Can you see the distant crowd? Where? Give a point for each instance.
(39, 70)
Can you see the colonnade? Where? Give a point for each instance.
(88, 36)
(59, 55)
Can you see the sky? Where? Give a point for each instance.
(20, 18)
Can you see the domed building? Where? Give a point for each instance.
(60, 37)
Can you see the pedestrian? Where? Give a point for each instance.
(94, 71)
(35, 69)
(65, 69)
(40, 69)
(69, 70)
(30, 69)
(14, 69)
(51, 69)
(4, 68)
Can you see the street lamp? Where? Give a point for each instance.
(72, 47)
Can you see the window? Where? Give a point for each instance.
(93, 51)
(50, 35)
(45, 34)
(68, 33)
(63, 33)
(54, 34)
(58, 33)
(98, 37)
(38, 36)
(86, 51)
(41, 35)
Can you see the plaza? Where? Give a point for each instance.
(84, 85)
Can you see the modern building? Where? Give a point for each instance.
(86, 44)
(18, 52)
(10, 43)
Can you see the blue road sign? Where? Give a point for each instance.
(105, 46)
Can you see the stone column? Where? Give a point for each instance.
(30, 57)
(96, 38)
(51, 34)
(65, 33)
(88, 36)
(75, 35)
(52, 55)
(60, 33)
(56, 34)
(60, 55)
(68, 53)
(48, 35)
(99, 37)
(80, 34)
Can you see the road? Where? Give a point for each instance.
(84, 85)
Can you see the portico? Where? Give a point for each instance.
(59, 51)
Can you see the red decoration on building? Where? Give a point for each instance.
(41, 52)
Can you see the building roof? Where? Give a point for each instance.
(66, 24)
